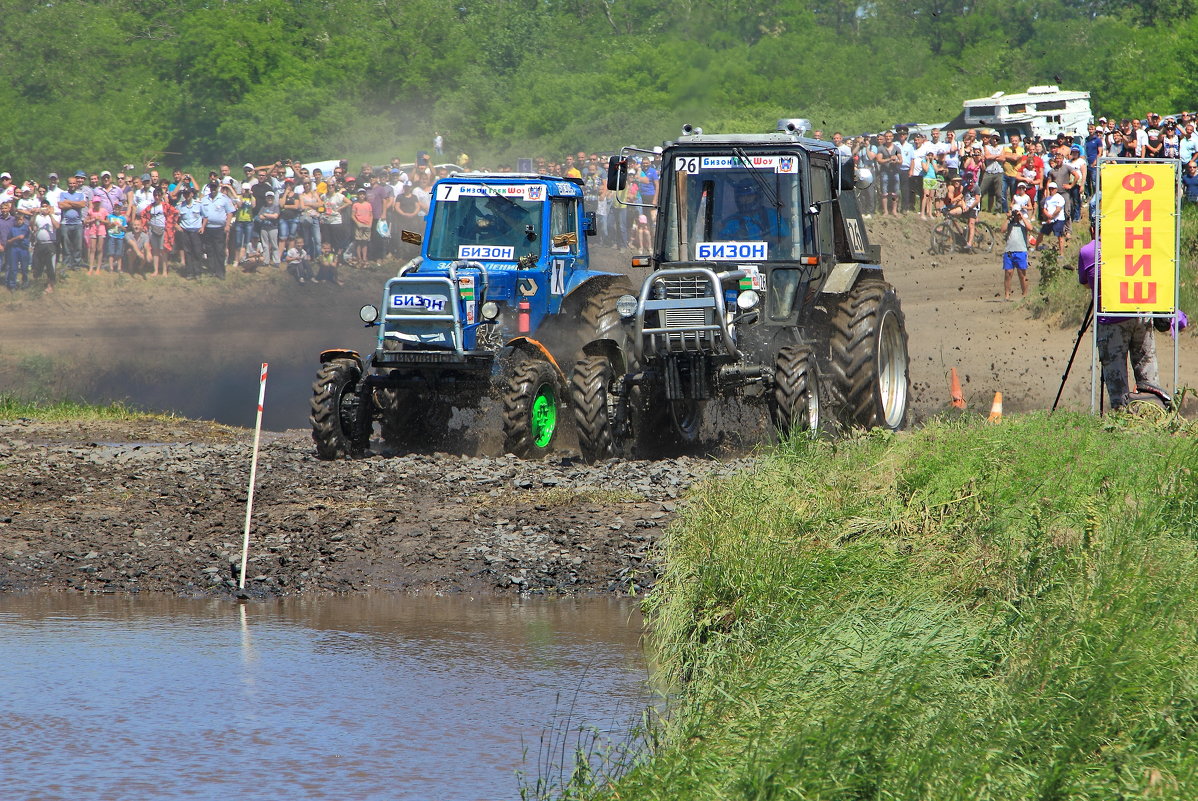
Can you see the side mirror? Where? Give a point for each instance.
(588, 223)
(617, 173)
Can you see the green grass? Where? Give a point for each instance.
(13, 407)
(965, 611)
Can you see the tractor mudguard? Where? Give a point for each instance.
(610, 350)
(591, 280)
(536, 350)
(342, 353)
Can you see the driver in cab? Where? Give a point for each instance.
(754, 220)
(498, 220)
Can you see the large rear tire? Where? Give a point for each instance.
(340, 424)
(594, 407)
(795, 405)
(868, 357)
(530, 409)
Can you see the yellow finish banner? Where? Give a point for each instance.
(1138, 231)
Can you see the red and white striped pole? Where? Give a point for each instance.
(249, 499)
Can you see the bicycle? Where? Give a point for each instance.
(951, 234)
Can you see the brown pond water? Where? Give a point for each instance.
(371, 697)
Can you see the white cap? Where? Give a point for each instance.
(1052, 184)
(247, 166)
(106, 172)
(6, 175)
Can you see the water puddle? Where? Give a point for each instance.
(371, 697)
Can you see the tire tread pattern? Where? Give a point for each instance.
(527, 376)
(795, 378)
(853, 350)
(589, 384)
(330, 437)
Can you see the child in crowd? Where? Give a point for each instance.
(297, 260)
(328, 264)
(17, 251)
(114, 248)
(138, 255)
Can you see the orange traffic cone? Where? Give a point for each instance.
(954, 390)
(996, 408)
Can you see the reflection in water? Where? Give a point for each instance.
(368, 697)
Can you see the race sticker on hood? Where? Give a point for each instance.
(732, 251)
(434, 303)
(781, 164)
(534, 193)
(487, 252)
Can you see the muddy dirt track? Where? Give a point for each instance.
(119, 507)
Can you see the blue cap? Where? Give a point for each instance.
(80, 174)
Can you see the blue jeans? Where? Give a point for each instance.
(310, 230)
(72, 244)
(1008, 191)
(114, 247)
(287, 228)
(243, 233)
(18, 260)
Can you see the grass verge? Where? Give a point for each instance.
(13, 407)
(964, 611)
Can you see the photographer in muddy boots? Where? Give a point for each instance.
(1122, 337)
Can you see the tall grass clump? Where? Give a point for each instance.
(968, 611)
(13, 407)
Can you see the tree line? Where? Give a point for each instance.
(204, 81)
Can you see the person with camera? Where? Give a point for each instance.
(1014, 257)
(1121, 338)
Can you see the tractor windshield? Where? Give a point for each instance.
(732, 208)
(485, 223)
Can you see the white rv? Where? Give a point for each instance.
(1043, 111)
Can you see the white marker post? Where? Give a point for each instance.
(249, 499)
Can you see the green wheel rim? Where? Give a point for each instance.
(544, 417)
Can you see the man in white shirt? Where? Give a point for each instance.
(1188, 144)
(1053, 213)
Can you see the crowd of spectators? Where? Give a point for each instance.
(913, 170)
(283, 214)
(268, 215)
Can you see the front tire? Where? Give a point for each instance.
(796, 401)
(868, 357)
(530, 409)
(340, 420)
(594, 407)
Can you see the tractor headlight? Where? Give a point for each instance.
(748, 299)
(490, 310)
(626, 306)
(368, 313)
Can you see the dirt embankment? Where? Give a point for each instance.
(114, 507)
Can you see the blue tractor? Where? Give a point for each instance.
(500, 299)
